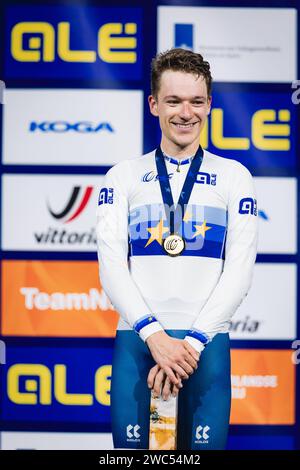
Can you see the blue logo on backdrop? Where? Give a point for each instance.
(73, 42)
(57, 385)
(184, 36)
(82, 127)
(263, 215)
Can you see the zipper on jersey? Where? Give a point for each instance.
(178, 167)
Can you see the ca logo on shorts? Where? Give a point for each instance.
(132, 433)
(202, 435)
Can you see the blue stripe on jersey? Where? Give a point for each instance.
(199, 335)
(143, 218)
(209, 249)
(211, 245)
(144, 321)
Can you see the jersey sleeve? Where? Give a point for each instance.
(112, 244)
(240, 255)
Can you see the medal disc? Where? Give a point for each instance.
(174, 245)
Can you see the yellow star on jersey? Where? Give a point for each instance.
(187, 216)
(157, 233)
(201, 229)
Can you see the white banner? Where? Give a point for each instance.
(241, 44)
(55, 441)
(72, 127)
(49, 212)
(277, 212)
(269, 311)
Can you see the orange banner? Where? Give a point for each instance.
(263, 387)
(55, 298)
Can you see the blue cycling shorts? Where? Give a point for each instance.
(203, 402)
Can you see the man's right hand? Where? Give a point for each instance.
(174, 356)
(160, 383)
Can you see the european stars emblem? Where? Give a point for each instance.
(157, 233)
(201, 229)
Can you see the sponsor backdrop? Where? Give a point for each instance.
(73, 92)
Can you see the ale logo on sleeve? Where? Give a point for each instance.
(263, 387)
(55, 298)
(248, 205)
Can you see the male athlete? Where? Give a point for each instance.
(177, 233)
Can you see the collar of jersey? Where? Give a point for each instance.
(178, 162)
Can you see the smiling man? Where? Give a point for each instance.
(177, 234)
(182, 104)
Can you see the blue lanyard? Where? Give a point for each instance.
(186, 190)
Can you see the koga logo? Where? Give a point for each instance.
(132, 433)
(270, 130)
(152, 176)
(36, 384)
(60, 301)
(116, 43)
(246, 325)
(82, 127)
(202, 435)
(74, 207)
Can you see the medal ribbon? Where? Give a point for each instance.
(186, 191)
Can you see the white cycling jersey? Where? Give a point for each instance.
(199, 290)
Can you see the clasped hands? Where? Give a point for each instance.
(175, 360)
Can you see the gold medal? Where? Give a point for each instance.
(174, 245)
